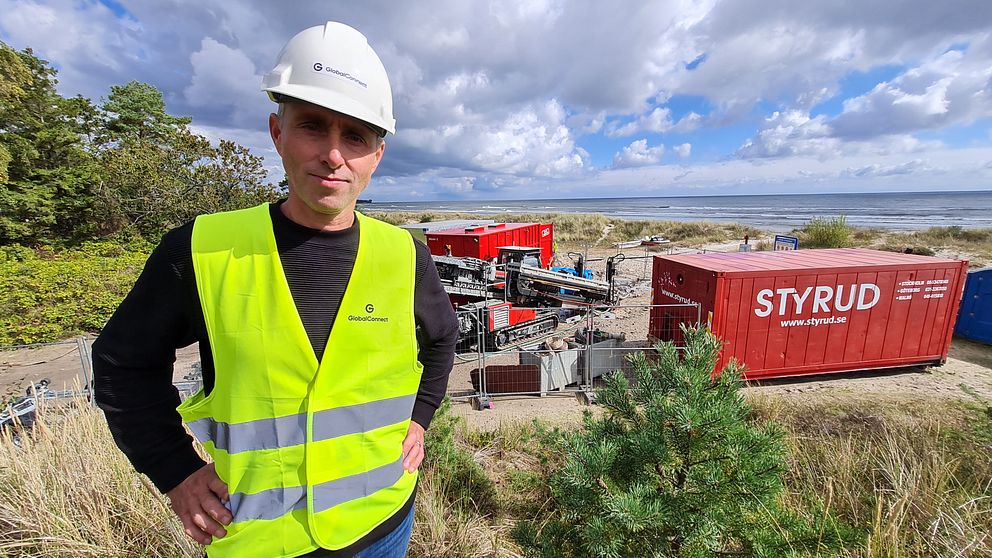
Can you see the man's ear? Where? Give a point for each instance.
(378, 154)
(275, 131)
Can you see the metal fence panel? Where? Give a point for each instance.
(588, 344)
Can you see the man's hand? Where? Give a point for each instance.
(199, 502)
(413, 447)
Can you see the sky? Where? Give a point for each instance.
(539, 99)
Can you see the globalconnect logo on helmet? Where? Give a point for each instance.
(369, 309)
(324, 69)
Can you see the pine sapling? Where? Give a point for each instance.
(674, 468)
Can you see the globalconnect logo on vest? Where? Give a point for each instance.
(369, 309)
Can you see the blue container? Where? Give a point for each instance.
(975, 318)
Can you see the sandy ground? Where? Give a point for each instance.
(969, 364)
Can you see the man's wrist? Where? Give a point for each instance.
(423, 414)
(177, 469)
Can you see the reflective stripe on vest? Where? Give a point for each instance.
(283, 432)
(276, 502)
(311, 451)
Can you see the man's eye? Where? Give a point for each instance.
(308, 125)
(356, 139)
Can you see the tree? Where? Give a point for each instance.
(137, 111)
(161, 174)
(674, 468)
(150, 186)
(71, 171)
(233, 179)
(48, 174)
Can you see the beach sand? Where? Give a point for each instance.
(968, 364)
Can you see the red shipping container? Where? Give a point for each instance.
(483, 242)
(801, 312)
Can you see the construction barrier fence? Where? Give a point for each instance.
(63, 370)
(586, 345)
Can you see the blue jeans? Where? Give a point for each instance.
(393, 544)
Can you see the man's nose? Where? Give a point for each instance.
(331, 153)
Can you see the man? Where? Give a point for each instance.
(325, 337)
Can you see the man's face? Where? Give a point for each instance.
(329, 158)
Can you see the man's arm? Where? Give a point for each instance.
(133, 364)
(437, 335)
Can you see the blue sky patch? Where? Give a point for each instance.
(855, 84)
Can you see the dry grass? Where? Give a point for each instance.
(576, 231)
(66, 491)
(975, 244)
(916, 477)
(581, 230)
(902, 472)
(441, 529)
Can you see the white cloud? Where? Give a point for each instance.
(493, 98)
(638, 154)
(954, 88)
(795, 134)
(532, 141)
(220, 76)
(81, 39)
(915, 167)
(848, 172)
(658, 120)
(791, 133)
(795, 54)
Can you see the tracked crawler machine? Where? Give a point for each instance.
(510, 300)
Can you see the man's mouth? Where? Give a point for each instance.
(329, 178)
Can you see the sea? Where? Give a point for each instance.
(778, 213)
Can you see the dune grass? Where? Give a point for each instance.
(826, 232)
(574, 230)
(916, 477)
(577, 231)
(66, 491)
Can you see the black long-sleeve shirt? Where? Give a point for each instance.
(134, 355)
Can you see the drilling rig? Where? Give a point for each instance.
(502, 303)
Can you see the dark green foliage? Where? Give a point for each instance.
(48, 294)
(71, 171)
(822, 232)
(48, 179)
(462, 481)
(136, 111)
(161, 175)
(674, 468)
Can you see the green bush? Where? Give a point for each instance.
(674, 468)
(822, 232)
(48, 294)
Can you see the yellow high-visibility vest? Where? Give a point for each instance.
(311, 451)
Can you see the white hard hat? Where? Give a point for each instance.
(333, 66)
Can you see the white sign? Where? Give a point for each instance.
(783, 242)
